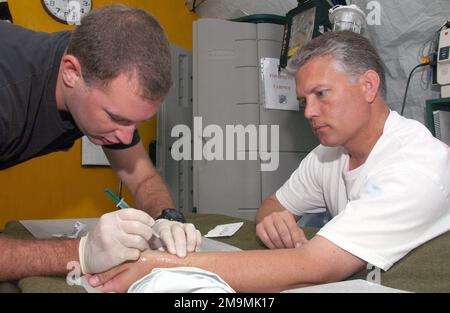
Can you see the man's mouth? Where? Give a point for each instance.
(103, 140)
(108, 142)
(319, 127)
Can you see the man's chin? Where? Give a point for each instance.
(96, 141)
(329, 143)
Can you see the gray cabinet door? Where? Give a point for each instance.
(226, 81)
(176, 110)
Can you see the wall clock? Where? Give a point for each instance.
(67, 11)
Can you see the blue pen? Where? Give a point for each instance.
(120, 202)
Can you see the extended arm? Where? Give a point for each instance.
(22, 258)
(318, 261)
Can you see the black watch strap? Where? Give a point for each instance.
(172, 214)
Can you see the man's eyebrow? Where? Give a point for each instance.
(321, 86)
(119, 118)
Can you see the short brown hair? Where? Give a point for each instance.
(351, 51)
(118, 39)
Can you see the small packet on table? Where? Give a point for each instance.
(224, 230)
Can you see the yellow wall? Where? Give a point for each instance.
(56, 185)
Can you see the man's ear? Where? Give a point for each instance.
(370, 82)
(70, 70)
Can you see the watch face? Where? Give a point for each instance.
(67, 11)
(173, 215)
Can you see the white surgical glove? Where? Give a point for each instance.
(119, 236)
(176, 237)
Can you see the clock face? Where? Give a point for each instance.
(67, 11)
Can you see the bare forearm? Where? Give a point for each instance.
(153, 196)
(22, 258)
(252, 271)
(318, 261)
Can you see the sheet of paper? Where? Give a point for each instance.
(348, 286)
(45, 229)
(224, 230)
(209, 245)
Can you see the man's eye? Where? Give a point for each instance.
(322, 93)
(120, 120)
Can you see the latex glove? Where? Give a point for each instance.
(176, 237)
(119, 236)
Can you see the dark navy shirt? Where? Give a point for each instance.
(30, 123)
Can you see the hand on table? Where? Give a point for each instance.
(279, 230)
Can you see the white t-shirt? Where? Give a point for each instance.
(396, 201)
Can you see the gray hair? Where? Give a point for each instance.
(352, 52)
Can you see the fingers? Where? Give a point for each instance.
(273, 230)
(136, 215)
(136, 222)
(177, 238)
(298, 236)
(279, 230)
(262, 234)
(193, 237)
(167, 237)
(282, 238)
(199, 241)
(102, 278)
(115, 284)
(118, 236)
(133, 242)
(145, 231)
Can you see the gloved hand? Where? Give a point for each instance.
(119, 236)
(176, 237)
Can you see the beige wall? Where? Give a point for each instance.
(56, 185)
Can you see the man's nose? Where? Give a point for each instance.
(311, 108)
(125, 134)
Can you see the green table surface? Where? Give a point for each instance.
(425, 269)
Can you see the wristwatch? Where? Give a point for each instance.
(172, 214)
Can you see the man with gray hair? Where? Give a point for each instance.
(384, 179)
